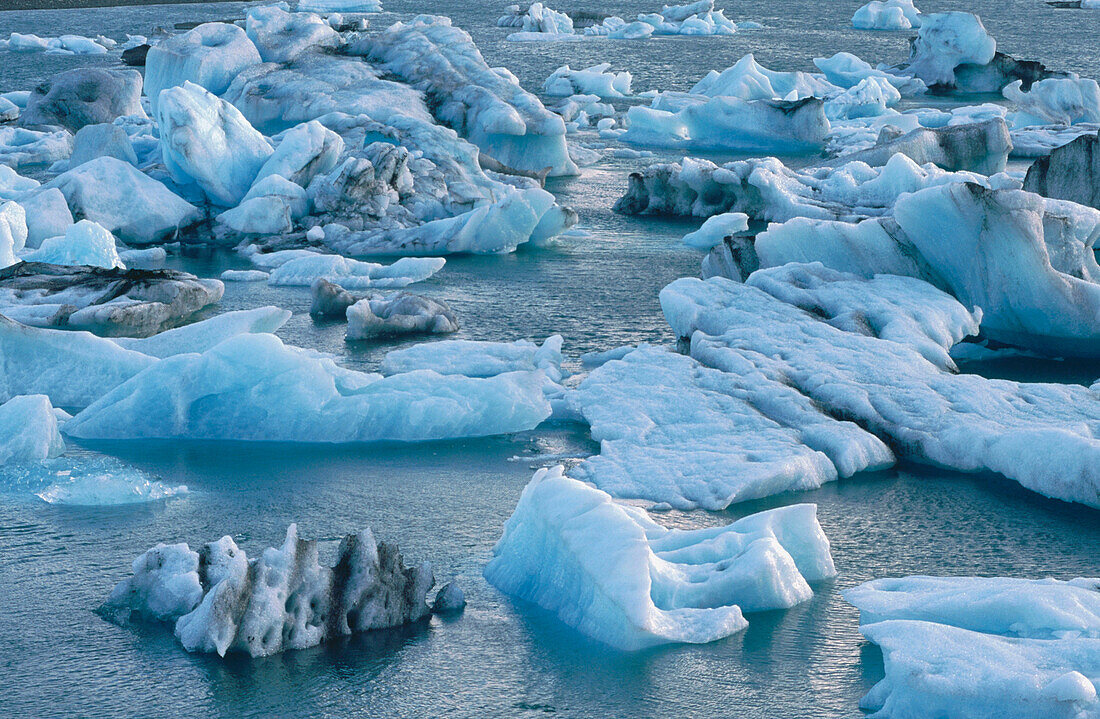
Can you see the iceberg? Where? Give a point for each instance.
(103, 140)
(887, 15)
(84, 96)
(102, 482)
(982, 147)
(1070, 172)
(206, 141)
(21, 147)
(1044, 436)
(487, 107)
(114, 194)
(612, 573)
(399, 313)
(253, 387)
(975, 647)
(846, 70)
(47, 215)
(340, 6)
(85, 243)
(478, 358)
(538, 19)
(945, 41)
(872, 97)
(304, 152)
(210, 55)
(716, 229)
(13, 232)
(595, 80)
(28, 430)
(728, 123)
(205, 334)
(221, 601)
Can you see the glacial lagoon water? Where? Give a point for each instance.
(446, 502)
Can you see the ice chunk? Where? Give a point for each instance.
(135, 207)
(340, 6)
(84, 96)
(205, 334)
(110, 301)
(304, 269)
(981, 147)
(538, 19)
(221, 601)
(304, 152)
(107, 484)
(330, 299)
(207, 141)
(244, 276)
(1070, 172)
(945, 41)
(487, 107)
(28, 430)
(519, 217)
(209, 55)
(449, 599)
(749, 80)
(1030, 608)
(716, 229)
(887, 15)
(673, 431)
(477, 359)
(766, 189)
(727, 123)
(1054, 101)
(13, 232)
(85, 243)
(102, 140)
(280, 36)
(846, 70)
(398, 314)
(47, 215)
(612, 573)
(252, 387)
(595, 80)
(983, 646)
(1045, 436)
(870, 98)
(20, 147)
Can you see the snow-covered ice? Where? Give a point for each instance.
(84, 243)
(887, 15)
(210, 55)
(280, 36)
(302, 268)
(749, 80)
(595, 80)
(945, 41)
(609, 571)
(478, 358)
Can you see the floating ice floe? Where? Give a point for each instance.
(610, 572)
(1045, 436)
(28, 430)
(84, 243)
(304, 267)
(478, 359)
(887, 15)
(20, 147)
(238, 390)
(133, 206)
(728, 123)
(76, 368)
(981, 146)
(62, 45)
(398, 313)
(872, 97)
(340, 6)
(595, 80)
(717, 228)
(766, 189)
(220, 601)
(97, 482)
(936, 234)
(1070, 172)
(698, 18)
(487, 107)
(110, 301)
(84, 96)
(210, 55)
(280, 36)
(977, 647)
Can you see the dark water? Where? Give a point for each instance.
(446, 502)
